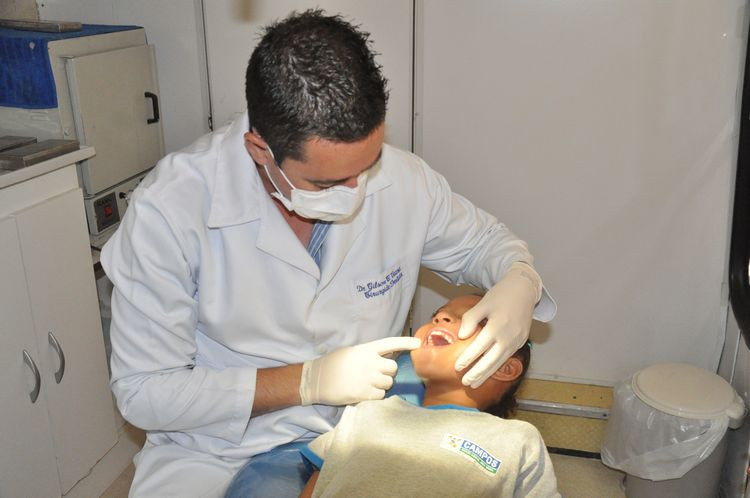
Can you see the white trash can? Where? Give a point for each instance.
(667, 431)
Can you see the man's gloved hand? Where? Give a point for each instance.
(352, 374)
(508, 308)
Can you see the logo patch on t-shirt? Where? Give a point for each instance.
(472, 451)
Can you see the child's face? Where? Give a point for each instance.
(441, 347)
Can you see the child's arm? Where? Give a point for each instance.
(310, 486)
(316, 452)
(537, 476)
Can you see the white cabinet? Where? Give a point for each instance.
(25, 436)
(115, 100)
(52, 340)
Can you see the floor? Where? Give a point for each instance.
(585, 478)
(119, 488)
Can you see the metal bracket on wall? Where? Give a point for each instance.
(563, 409)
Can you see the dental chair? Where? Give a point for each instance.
(406, 383)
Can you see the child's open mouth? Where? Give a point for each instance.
(439, 338)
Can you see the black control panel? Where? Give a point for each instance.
(106, 211)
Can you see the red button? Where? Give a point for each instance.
(108, 211)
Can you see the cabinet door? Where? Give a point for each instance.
(113, 113)
(60, 278)
(27, 459)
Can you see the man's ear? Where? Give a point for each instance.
(509, 371)
(257, 147)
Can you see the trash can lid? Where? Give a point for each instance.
(684, 390)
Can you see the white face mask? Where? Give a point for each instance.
(332, 204)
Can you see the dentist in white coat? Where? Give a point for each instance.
(262, 274)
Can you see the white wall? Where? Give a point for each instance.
(603, 133)
(741, 380)
(173, 27)
(232, 28)
(735, 359)
(19, 9)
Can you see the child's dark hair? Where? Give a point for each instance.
(506, 407)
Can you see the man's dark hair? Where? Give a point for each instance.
(313, 75)
(506, 406)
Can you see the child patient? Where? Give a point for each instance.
(446, 447)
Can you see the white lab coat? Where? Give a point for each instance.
(210, 284)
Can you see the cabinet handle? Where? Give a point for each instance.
(56, 346)
(34, 394)
(154, 107)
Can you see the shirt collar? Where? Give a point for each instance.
(451, 407)
(238, 190)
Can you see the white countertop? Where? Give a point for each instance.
(8, 178)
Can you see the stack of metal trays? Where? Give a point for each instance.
(19, 152)
(46, 26)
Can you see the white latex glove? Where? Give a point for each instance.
(352, 374)
(508, 308)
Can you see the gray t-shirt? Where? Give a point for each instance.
(393, 448)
